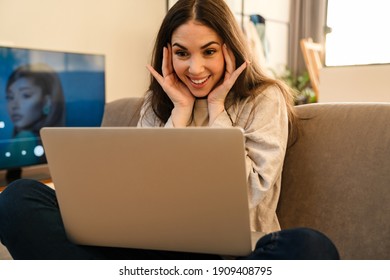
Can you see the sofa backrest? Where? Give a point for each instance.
(122, 112)
(336, 176)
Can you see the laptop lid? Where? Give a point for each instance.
(152, 188)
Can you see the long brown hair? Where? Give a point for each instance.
(216, 15)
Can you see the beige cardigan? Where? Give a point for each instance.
(266, 132)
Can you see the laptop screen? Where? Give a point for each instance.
(40, 88)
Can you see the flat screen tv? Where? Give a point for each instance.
(41, 88)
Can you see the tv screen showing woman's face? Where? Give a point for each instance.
(40, 88)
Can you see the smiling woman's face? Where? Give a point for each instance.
(25, 103)
(197, 57)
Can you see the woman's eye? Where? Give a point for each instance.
(9, 97)
(210, 52)
(27, 94)
(181, 53)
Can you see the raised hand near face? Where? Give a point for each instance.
(176, 90)
(216, 98)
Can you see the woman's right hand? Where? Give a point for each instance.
(178, 92)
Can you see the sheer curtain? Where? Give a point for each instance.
(308, 19)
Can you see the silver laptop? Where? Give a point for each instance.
(152, 188)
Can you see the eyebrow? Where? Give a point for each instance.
(202, 47)
(19, 88)
(23, 88)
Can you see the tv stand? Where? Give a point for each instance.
(38, 172)
(13, 174)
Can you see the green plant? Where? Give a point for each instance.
(303, 93)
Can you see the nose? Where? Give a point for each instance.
(196, 65)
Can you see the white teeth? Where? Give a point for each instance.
(199, 81)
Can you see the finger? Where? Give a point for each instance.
(229, 81)
(155, 74)
(165, 62)
(229, 59)
(169, 57)
(238, 71)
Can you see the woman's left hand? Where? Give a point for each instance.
(216, 98)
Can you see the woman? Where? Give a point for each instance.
(34, 98)
(200, 85)
(195, 82)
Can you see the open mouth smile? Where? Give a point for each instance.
(198, 82)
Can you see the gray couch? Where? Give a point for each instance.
(336, 176)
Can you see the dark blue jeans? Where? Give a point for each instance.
(31, 228)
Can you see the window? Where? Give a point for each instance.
(359, 32)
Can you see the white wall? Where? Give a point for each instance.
(123, 30)
(366, 83)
